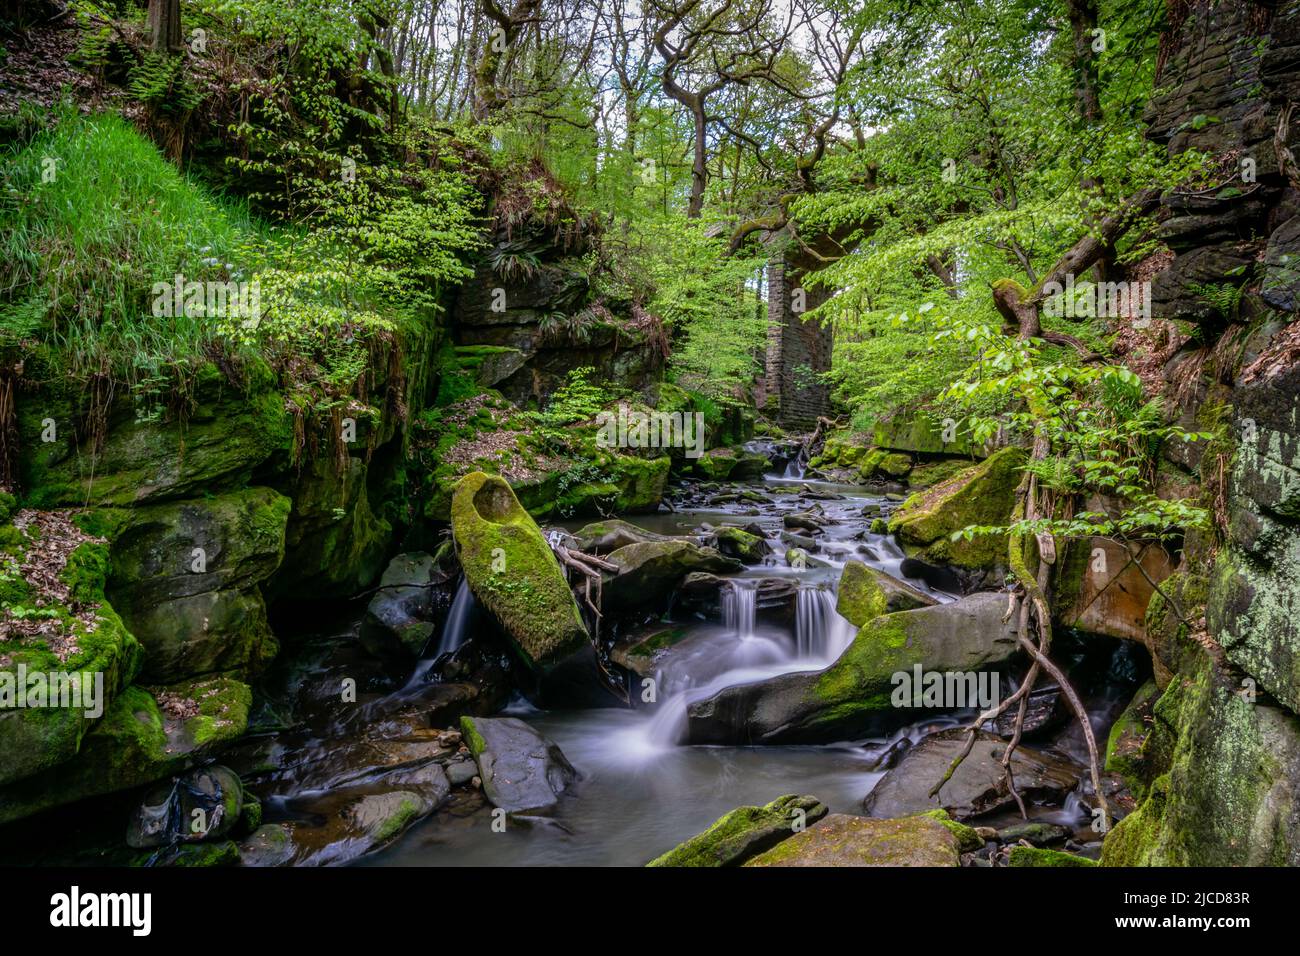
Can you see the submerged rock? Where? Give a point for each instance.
(514, 574)
(522, 771)
(977, 787)
(741, 545)
(745, 832)
(856, 693)
(843, 840)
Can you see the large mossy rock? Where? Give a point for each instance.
(855, 694)
(186, 575)
(866, 592)
(55, 620)
(977, 787)
(745, 832)
(229, 435)
(602, 537)
(513, 572)
(920, 431)
(1226, 784)
(650, 570)
(843, 840)
(981, 495)
(521, 770)
(145, 735)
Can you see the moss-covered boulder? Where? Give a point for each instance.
(981, 495)
(602, 537)
(399, 618)
(186, 575)
(1226, 769)
(745, 832)
(1037, 856)
(1127, 736)
(741, 545)
(146, 734)
(843, 840)
(865, 593)
(913, 430)
(65, 654)
(230, 432)
(714, 465)
(857, 693)
(513, 572)
(648, 571)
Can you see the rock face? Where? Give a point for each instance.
(977, 787)
(513, 572)
(982, 495)
(521, 770)
(855, 694)
(225, 439)
(866, 592)
(842, 840)
(745, 832)
(1100, 588)
(186, 577)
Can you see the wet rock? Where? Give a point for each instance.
(200, 805)
(745, 832)
(399, 618)
(461, 772)
(866, 592)
(521, 770)
(977, 787)
(1034, 856)
(649, 571)
(514, 574)
(798, 541)
(804, 521)
(842, 840)
(1039, 834)
(855, 694)
(741, 545)
(269, 845)
(1047, 708)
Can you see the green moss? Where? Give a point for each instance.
(1037, 856)
(982, 495)
(1128, 735)
(860, 597)
(407, 811)
(473, 739)
(744, 832)
(512, 570)
(968, 840)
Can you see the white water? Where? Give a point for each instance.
(821, 635)
(455, 632)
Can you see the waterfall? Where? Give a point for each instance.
(454, 631)
(821, 633)
(739, 605)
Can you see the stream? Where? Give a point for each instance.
(641, 790)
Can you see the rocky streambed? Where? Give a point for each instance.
(746, 649)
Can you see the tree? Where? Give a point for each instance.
(165, 26)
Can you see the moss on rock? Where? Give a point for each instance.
(745, 832)
(513, 572)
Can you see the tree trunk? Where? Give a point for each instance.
(165, 26)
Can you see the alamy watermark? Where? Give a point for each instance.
(631, 428)
(193, 299)
(1101, 300)
(76, 690)
(946, 689)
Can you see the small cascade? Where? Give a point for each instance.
(739, 607)
(821, 633)
(455, 632)
(795, 468)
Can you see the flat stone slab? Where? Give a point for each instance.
(843, 840)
